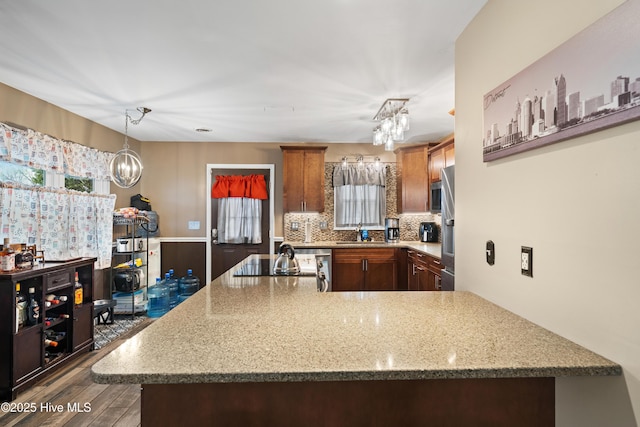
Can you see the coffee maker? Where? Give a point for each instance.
(391, 230)
(428, 232)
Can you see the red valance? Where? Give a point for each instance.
(250, 186)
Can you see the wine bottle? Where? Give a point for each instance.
(50, 343)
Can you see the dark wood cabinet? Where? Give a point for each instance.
(373, 269)
(82, 327)
(441, 156)
(412, 179)
(423, 272)
(26, 357)
(230, 255)
(303, 179)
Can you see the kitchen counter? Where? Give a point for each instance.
(281, 330)
(433, 249)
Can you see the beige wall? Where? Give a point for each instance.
(576, 203)
(22, 109)
(174, 176)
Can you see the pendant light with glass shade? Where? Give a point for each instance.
(394, 121)
(126, 165)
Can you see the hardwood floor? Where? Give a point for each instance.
(104, 405)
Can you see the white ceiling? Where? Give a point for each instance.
(250, 70)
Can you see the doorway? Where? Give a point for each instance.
(222, 256)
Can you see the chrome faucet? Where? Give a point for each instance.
(358, 234)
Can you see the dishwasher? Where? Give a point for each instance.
(323, 264)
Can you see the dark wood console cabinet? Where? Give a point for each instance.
(24, 357)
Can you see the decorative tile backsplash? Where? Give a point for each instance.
(409, 223)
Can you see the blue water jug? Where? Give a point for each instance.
(188, 285)
(158, 299)
(172, 284)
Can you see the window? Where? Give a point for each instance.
(79, 184)
(359, 197)
(19, 174)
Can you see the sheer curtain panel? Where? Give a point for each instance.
(359, 196)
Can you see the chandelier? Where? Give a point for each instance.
(394, 121)
(126, 165)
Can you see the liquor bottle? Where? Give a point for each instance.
(21, 307)
(33, 310)
(78, 292)
(7, 257)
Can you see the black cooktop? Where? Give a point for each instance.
(263, 267)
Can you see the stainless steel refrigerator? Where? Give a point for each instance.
(448, 222)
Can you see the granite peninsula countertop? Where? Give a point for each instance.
(258, 329)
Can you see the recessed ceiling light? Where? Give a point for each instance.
(204, 130)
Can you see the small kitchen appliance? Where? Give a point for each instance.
(391, 230)
(428, 232)
(130, 245)
(127, 279)
(286, 263)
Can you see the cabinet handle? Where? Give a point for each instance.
(413, 269)
(365, 265)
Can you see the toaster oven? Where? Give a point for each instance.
(131, 244)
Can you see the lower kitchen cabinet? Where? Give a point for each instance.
(230, 255)
(373, 269)
(63, 329)
(423, 272)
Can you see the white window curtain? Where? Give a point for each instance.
(63, 223)
(359, 195)
(37, 150)
(239, 220)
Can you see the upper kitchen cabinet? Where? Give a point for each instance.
(412, 178)
(303, 176)
(441, 156)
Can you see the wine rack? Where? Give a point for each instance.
(61, 331)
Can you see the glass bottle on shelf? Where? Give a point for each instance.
(21, 308)
(7, 257)
(33, 310)
(77, 292)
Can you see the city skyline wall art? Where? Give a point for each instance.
(589, 83)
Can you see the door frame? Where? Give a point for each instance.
(210, 167)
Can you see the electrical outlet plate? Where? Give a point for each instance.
(526, 261)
